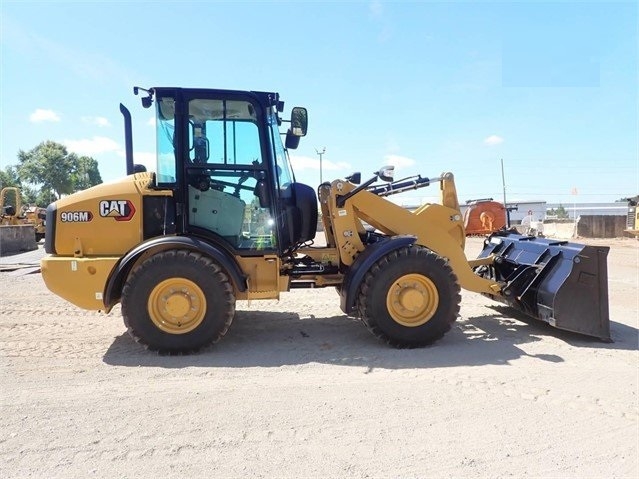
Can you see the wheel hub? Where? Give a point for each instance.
(177, 305)
(412, 300)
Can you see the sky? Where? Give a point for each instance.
(549, 89)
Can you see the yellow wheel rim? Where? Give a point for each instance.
(412, 300)
(177, 306)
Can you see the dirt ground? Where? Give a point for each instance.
(298, 390)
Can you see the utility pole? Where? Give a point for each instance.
(503, 182)
(320, 153)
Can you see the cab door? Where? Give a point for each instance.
(228, 192)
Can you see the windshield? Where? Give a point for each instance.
(282, 164)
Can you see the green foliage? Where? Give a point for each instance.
(10, 177)
(56, 171)
(43, 198)
(86, 174)
(29, 195)
(48, 164)
(561, 212)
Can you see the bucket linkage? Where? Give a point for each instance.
(562, 283)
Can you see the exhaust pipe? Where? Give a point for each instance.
(564, 284)
(128, 139)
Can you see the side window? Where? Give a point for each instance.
(165, 132)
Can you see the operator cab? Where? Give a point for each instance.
(222, 154)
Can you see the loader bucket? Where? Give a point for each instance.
(564, 284)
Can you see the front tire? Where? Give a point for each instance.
(409, 298)
(177, 301)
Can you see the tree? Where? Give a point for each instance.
(86, 173)
(56, 170)
(30, 196)
(561, 212)
(48, 164)
(9, 177)
(42, 197)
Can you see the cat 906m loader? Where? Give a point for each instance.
(223, 219)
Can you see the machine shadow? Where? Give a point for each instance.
(275, 339)
(624, 337)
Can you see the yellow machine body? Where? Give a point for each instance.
(94, 229)
(222, 219)
(105, 220)
(98, 226)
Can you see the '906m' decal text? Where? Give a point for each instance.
(76, 216)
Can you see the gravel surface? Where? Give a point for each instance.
(298, 390)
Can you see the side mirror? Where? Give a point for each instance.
(147, 101)
(292, 140)
(299, 121)
(355, 178)
(386, 173)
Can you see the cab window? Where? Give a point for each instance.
(223, 132)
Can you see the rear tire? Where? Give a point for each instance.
(409, 298)
(177, 301)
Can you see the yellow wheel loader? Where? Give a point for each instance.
(632, 219)
(18, 214)
(223, 219)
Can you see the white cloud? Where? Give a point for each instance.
(493, 140)
(93, 146)
(41, 115)
(144, 158)
(399, 161)
(96, 120)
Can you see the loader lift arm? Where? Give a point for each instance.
(438, 227)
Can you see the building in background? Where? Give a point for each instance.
(605, 209)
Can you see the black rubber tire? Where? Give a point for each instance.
(195, 267)
(381, 277)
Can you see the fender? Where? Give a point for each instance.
(364, 262)
(115, 283)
